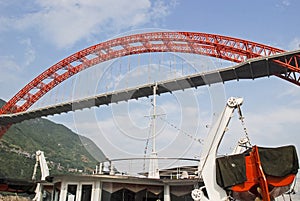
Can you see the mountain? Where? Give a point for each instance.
(65, 151)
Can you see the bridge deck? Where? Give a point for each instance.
(251, 69)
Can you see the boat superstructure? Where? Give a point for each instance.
(250, 173)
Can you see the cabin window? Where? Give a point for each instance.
(181, 192)
(131, 192)
(71, 194)
(86, 192)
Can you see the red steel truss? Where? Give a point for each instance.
(293, 64)
(223, 47)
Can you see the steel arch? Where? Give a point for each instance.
(218, 46)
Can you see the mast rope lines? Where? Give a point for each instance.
(199, 140)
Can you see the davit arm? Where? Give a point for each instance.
(40, 160)
(207, 165)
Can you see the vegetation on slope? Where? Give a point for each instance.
(64, 150)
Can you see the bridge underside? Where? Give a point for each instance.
(251, 69)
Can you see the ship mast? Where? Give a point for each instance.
(153, 164)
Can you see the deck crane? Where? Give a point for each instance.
(40, 160)
(265, 184)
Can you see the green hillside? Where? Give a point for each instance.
(64, 150)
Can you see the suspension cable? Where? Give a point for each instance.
(128, 72)
(149, 67)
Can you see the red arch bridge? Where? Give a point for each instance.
(253, 60)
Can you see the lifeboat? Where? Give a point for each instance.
(258, 173)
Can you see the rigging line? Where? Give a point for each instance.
(242, 119)
(201, 141)
(146, 147)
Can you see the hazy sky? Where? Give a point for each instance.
(37, 34)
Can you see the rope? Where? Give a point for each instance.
(146, 147)
(242, 119)
(201, 141)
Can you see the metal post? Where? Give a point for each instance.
(153, 164)
(167, 196)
